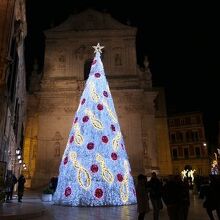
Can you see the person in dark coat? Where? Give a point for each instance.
(14, 181)
(11, 180)
(21, 182)
(53, 183)
(9, 184)
(155, 189)
(212, 197)
(185, 198)
(142, 197)
(170, 195)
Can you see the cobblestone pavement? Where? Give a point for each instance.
(32, 207)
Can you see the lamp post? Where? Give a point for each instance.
(18, 151)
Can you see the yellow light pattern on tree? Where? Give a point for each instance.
(106, 174)
(116, 140)
(93, 93)
(124, 190)
(111, 114)
(83, 176)
(95, 122)
(78, 138)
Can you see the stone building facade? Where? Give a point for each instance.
(12, 81)
(52, 104)
(188, 143)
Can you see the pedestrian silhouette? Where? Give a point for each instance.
(142, 197)
(21, 182)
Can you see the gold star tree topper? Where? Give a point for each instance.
(98, 48)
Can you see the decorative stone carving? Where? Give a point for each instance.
(145, 74)
(48, 84)
(69, 110)
(57, 149)
(80, 85)
(61, 59)
(91, 20)
(82, 52)
(118, 61)
(46, 108)
(134, 108)
(57, 136)
(117, 53)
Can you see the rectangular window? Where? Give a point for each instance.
(179, 136)
(188, 136)
(175, 154)
(195, 136)
(186, 153)
(182, 121)
(173, 138)
(171, 122)
(197, 151)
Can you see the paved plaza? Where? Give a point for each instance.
(33, 208)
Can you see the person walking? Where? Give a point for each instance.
(21, 182)
(14, 181)
(212, 197)
(155, 189)
(142, 197)
(9, 184)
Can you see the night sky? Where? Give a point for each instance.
(181, 41)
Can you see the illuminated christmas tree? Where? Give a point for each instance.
(95, 170)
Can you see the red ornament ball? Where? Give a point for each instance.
(90, 146)
(105, 139)
(83, 101)
(94, 168)
(114, 156)
(71, 139)
(65, 160)
(113, 127)
(85, 118)
(134, 191)
(100, 107)
(105, 93)
(93, 62)
(97, 75)
(76, 119)
(68, 191)
(98, 193)
(120, 177)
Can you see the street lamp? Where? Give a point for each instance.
(18, 151)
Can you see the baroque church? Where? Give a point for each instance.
(55, 96)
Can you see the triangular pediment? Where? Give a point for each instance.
(90, 20)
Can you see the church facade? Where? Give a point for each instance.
(55, 97)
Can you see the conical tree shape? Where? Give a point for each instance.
(95, 170)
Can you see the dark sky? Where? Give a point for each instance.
(181, 41)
